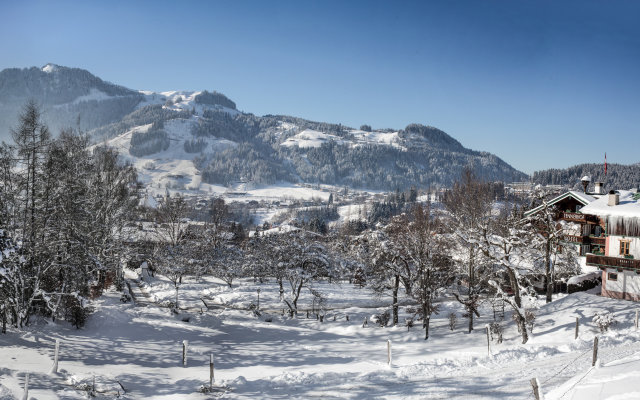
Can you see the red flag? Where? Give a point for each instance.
(605, 163)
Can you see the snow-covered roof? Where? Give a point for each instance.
(582, 198)
(627, 207)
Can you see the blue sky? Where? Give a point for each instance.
(542, 84)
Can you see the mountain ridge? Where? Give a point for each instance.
(225, 145)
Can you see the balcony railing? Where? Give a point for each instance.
(585, 239)
(613, 262)
(576, 239)
(577, 217)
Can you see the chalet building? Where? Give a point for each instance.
(605, 227)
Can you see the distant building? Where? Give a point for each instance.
(606, 230)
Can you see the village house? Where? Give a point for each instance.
(605, 228)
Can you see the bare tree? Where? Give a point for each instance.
(506, 242)
(301, 259)
(547, 240)
(174, 254)
(469, 203)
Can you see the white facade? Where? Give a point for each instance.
(621, 284)
(613, 248)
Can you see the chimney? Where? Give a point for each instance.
(614, 198)
(585, 183)
(599, 189)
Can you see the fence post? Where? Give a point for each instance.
(595, 351)
(536, 388)
(388, 352)
(25, 396)
(54, 368)
(577, 324)
(488, 345)
(184, 352)
(211, 371)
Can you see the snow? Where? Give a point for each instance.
(139, 347)
(173, 167)
(49, 68)
(310, 138)
(284, 190)
(375, 137)
(615, 380)
(628, 207)
(351, 212)
(94, 94)
(575, 280)
(180, 100)
(587, 199)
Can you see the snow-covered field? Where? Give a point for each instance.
(134, 350)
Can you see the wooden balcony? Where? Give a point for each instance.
(613, 262)
(578, 217)
(576, 239)
(585, 239)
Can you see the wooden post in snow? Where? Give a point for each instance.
(595, 351)
(211, 371)
(54, 368)
(25, 395)
(536, 388)
(388, 352)
(184, 352)
(488, 342)
(577, 328)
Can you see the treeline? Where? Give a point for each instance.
(62, 213)
(243, 162)
(152, 141)
(214, 98)
(142, 116)
(431, 160)
(618, 176)
(63, 87)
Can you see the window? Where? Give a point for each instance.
(624, 247)
(612, 276)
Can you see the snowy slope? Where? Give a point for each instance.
(308, 138)
(615, 380)
(138, 348)
(172, 168)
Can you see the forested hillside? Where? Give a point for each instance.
(618, 176)
(226, 145)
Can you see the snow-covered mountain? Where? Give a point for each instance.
(199, 141)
